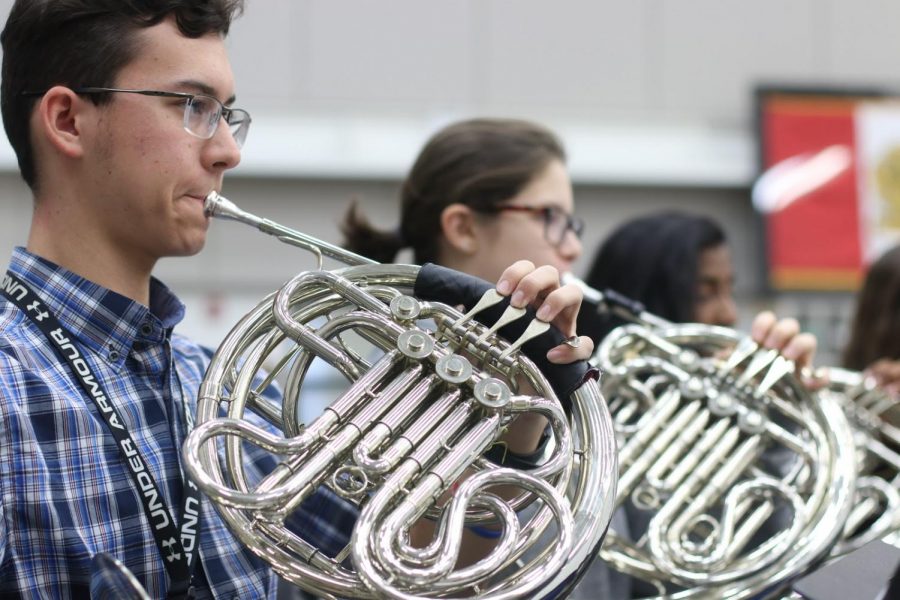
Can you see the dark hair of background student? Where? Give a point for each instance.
(875, 329)
(653, 259)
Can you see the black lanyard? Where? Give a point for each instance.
(177, 547)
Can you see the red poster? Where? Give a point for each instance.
(830, 188)
(814, 234)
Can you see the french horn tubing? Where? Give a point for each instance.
(438, 393)
(874, 415)
(734, 478)
(112, 580)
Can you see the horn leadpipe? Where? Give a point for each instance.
(618, 304)
(219, 206)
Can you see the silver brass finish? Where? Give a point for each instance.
(742, 478)
(492, 392)
(453, 368)
(874, 415)
(425, 400)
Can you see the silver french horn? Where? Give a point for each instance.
(440, 391)
(874, 415)
(735, 479)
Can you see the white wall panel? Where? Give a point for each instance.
(398, 54)
(568, 55)
(713, 52)
(342, 88)
(863, 45)
(268, 47)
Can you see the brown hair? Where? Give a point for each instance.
(479, 163)
(875, 332)
(83, 43)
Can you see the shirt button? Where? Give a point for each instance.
(113, 356)
(146, 329)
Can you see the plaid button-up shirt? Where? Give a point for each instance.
(65, 492)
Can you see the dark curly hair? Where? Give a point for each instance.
(83, 43)
(652, 259)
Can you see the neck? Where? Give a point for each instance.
(68, 239)
(469, 265)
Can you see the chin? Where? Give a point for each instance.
(191, 247)
(196, 248)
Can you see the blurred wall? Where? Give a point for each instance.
(594, 59)
(653, 99)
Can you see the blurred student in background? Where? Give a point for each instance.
(677, 264)
(480, 192)
(874, 343)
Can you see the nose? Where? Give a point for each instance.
(726, 310)
(570, 248)
(222, 151)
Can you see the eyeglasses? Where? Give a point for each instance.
(202, 113)
(556, 222)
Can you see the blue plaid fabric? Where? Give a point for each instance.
(65, 493)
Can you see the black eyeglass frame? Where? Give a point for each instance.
(573, 223)
(225, 112)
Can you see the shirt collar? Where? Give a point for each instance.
(104, 320)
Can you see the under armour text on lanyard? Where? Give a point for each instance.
(176, 547)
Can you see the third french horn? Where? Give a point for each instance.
(734, 479)
(874, 415)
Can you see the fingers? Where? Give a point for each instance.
(886, 372)
(762, 323)
(565, 353)
(770, 332)
(784, 335)
(557, 304)
(513, 274)
(525, 284)
(801, 349)
(540, 289)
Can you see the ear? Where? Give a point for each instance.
(459, 228)
(60, 120)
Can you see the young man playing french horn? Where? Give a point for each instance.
(120, 115)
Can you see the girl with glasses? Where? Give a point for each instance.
(481, 194)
